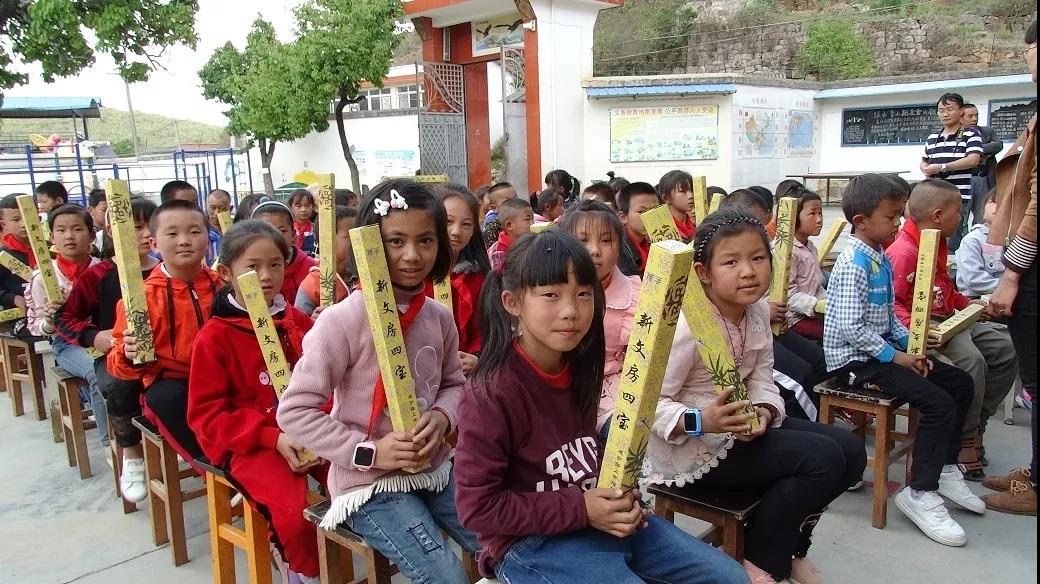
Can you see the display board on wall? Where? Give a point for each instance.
(492, 33)
(897, 125)
(801, 129)
(648, 134)
(1008, 117)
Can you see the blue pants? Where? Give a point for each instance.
(406, 528)
(659, 553)
(76, 360)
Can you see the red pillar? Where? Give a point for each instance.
(478, 126)
(534, 122)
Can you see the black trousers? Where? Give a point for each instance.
(123, 402)
(803, 361)
(168, 401)
(1022, 326)
(799, 468)
(942, 398)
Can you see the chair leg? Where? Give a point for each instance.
(10, 367)
(64, 407)
(733, 539)
(336, 561)
(79, 433)
(663, 510)
(826, 409)
(156, 504)
(174, 504)
(378, 568)
(881, 448)
(34, 365)
(218, 499)
(258, 555)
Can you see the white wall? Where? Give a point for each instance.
(835, 158)
(771, 164)
(385, 145)
(595, 146)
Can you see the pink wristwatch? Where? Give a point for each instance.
(364, 456)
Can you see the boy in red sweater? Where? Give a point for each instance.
(179, 296)
(298, 263)
(984, 350)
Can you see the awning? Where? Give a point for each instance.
(658, 90)
(50, 107)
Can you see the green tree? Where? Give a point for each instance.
(342, 44)
(54, 34)
(834, 50)
(269, 100)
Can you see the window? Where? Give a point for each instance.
(408, 96)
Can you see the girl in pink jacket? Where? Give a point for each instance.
(601, 232)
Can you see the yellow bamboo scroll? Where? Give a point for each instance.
(327, 237)
(128, 264)
(782, 247)
(700, 199)
(716, 200)
(830, 239)
(15, 266)
(11, 314)
(385, 324)
(40, 248)
(714, 350)
(442, 292)
(541, 226)
(267, 337)
(224, 220)
(958, 323)
(924, 280)
(659, 224)
(649, 345)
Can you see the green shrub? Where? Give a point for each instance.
(835, 50)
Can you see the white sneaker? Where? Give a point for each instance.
(953, 487)
(931, 516)
(133, 482)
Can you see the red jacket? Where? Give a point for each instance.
(176, 310)
(295, 273)
(902, 252)
(465, 307)
(231, 401)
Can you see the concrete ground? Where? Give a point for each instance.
(56, 528)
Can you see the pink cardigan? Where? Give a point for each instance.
(622, 297)
(339, 361)
(682, 459)
(805, 284)
(36, 297)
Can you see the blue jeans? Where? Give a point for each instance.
(660, 553)
(406, 528)
(75, 360)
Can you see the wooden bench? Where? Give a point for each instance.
(338, 567)
(165, 497)
(22, 365)
(224, 537)
(727, 512)
(74, 424)
(889, 444)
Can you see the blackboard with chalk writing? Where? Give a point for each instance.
(1008, 117)
(879, 126)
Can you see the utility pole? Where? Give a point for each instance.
(133, 123)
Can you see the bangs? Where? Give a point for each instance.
(550, 257)
(596, 222)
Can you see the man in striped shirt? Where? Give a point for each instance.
(952, 154)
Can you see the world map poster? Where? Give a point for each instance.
(755, 133)
(800, 132)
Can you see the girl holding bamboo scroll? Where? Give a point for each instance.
(232, 400)
(798, 466)
(528, 452)
(400, 514)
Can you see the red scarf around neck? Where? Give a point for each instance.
(685, 228)
(642, 246)
(504, 241)
(379, 391)
(301, 229)
(15, 244)
(71, 269)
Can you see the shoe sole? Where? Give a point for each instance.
(914, 519)
(1010, 512)
(963, 506)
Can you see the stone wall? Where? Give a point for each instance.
(900, 46)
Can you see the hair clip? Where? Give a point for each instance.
(397, 201)
(381, 207)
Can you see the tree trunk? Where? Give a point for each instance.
(266, 154)
(355, 176)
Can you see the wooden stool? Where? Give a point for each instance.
(73, 425)
(889, 445)
(23, 366)
(117, 469)
(224, 537)
(727, 512)
(165, 497)
(338, 567)
(50, 389)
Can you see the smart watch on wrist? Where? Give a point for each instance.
(364, 456)
(693, 423)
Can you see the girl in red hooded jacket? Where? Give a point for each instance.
(232, 403)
